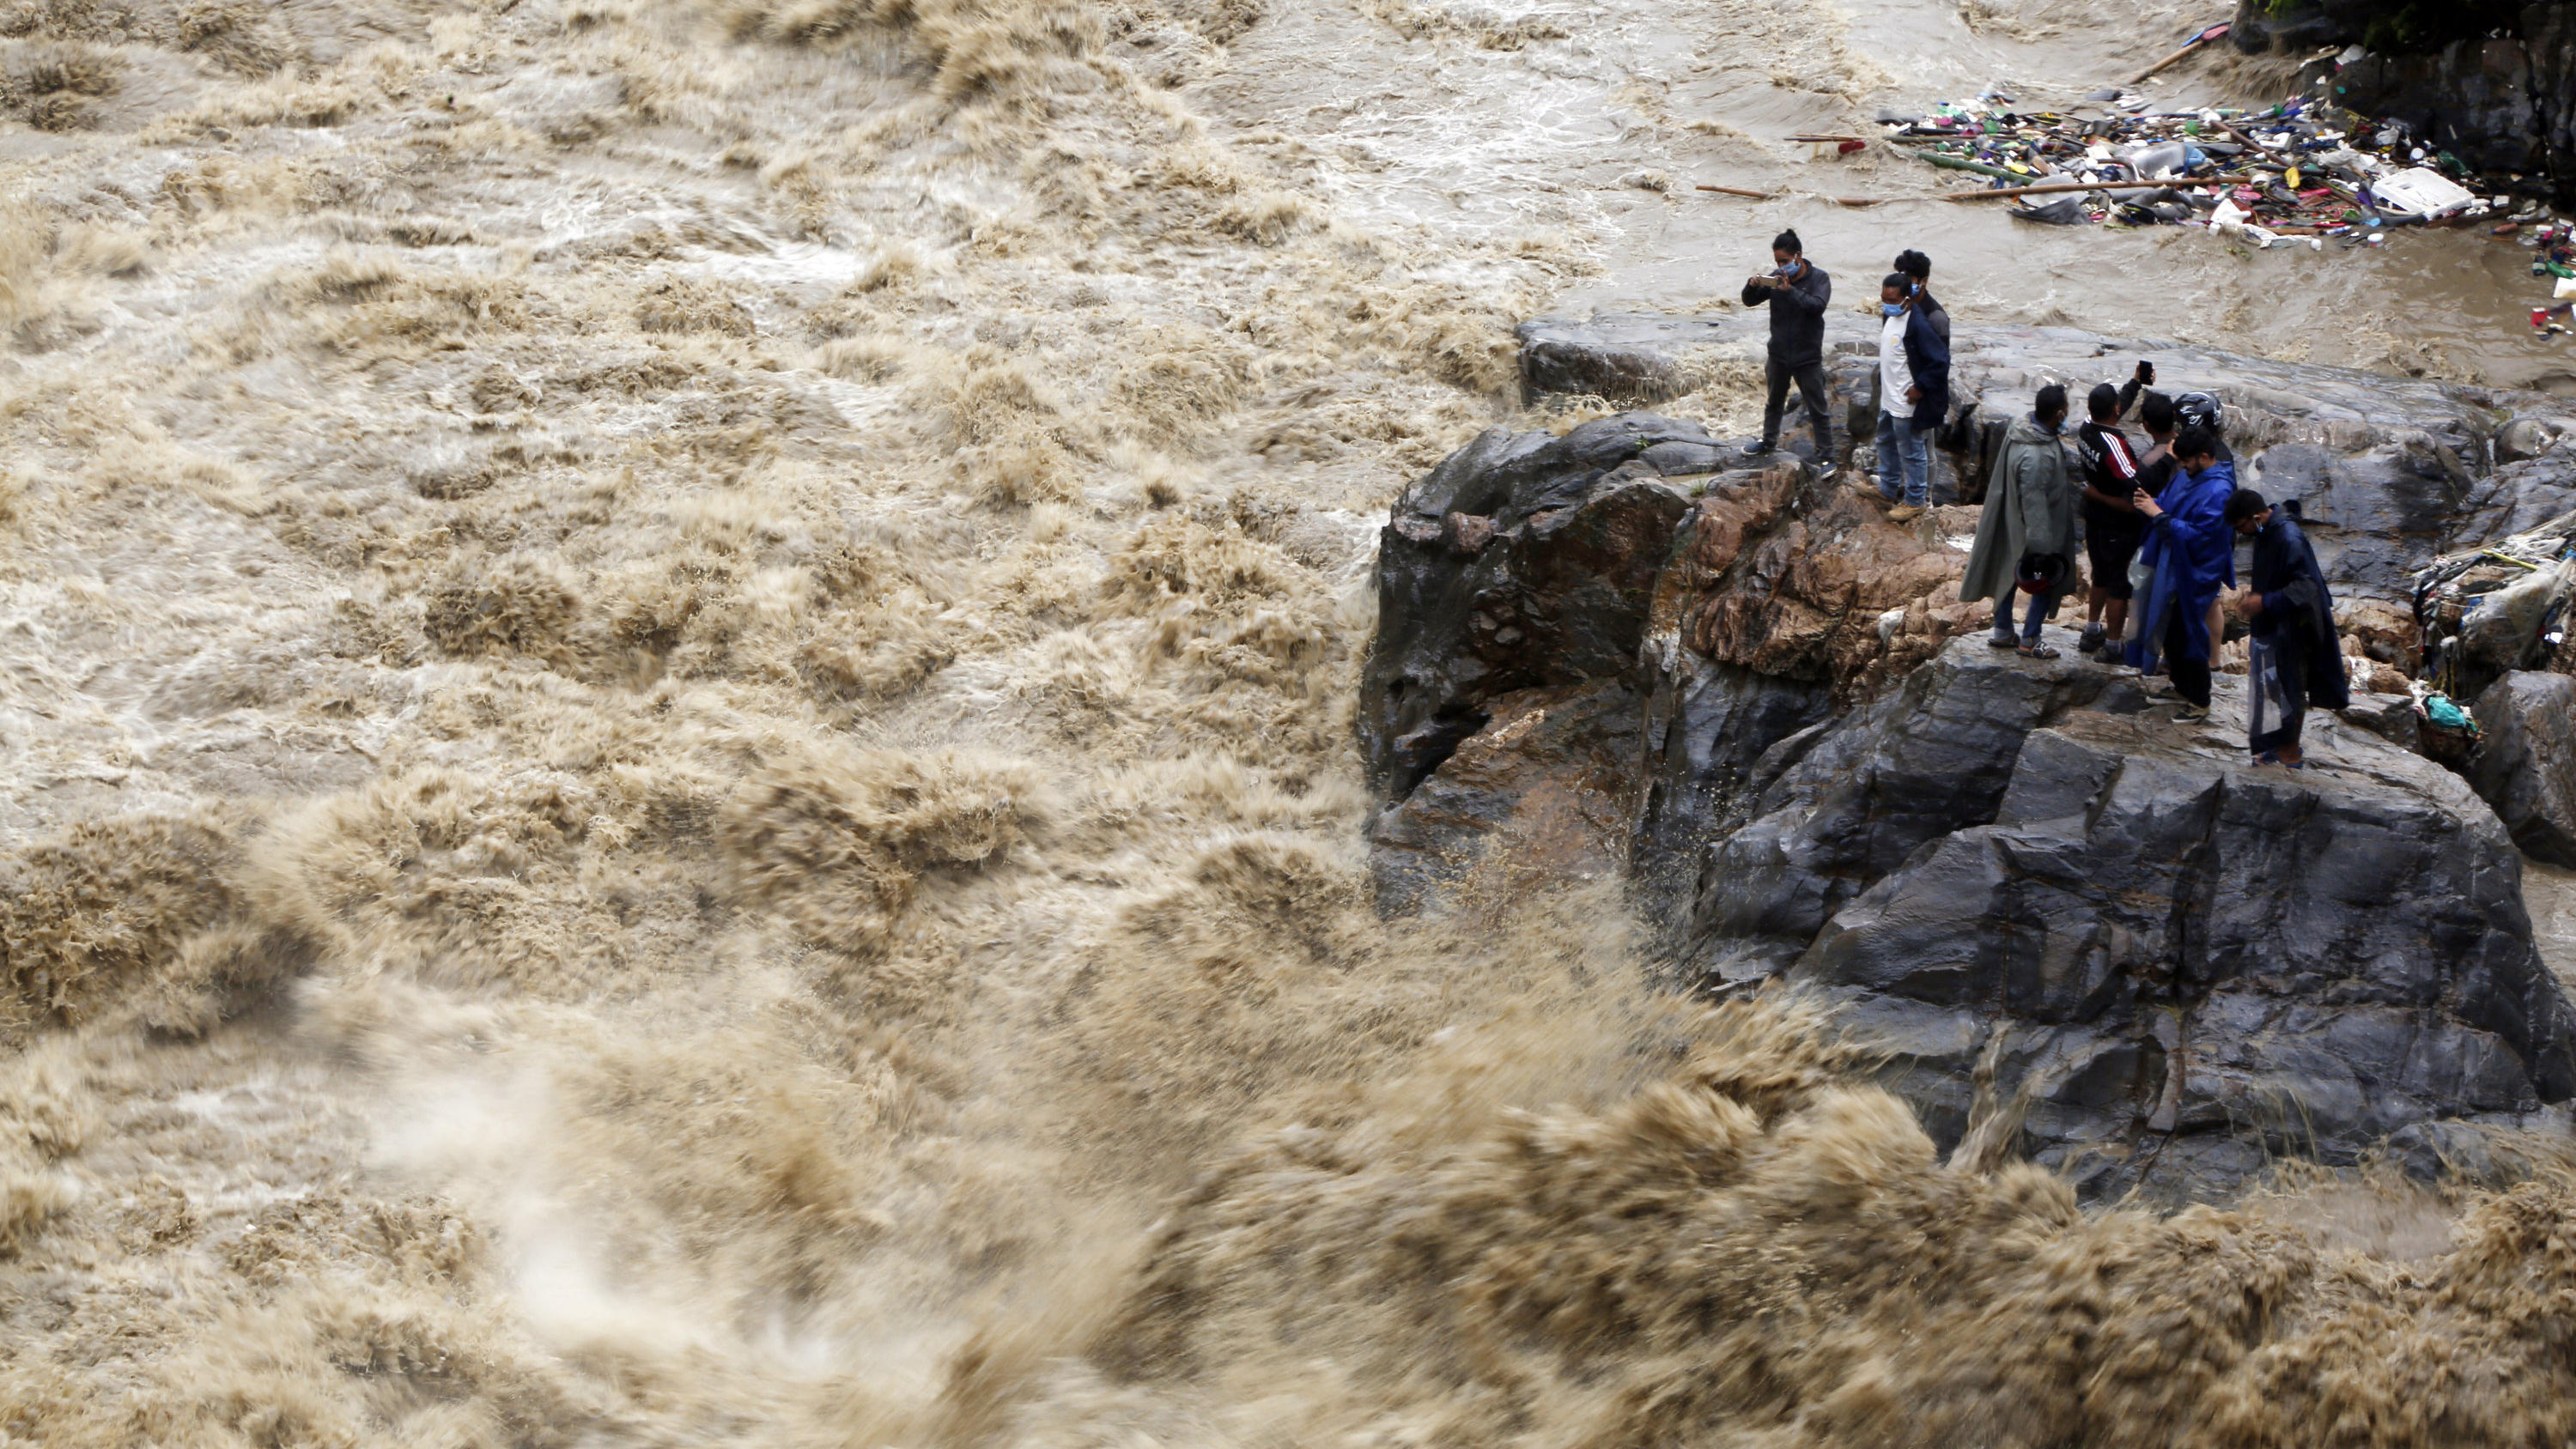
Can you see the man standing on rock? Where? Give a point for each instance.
(1797, 292)
(2192, 554)
(2111, 523)
(1913, 396)
(2030, 512)
(2295, 658)
(1918, 269)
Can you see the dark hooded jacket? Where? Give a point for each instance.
(1797, 316)
(1927, 361)
(2298, 611)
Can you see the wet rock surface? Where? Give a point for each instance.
(1541, 793)
(2525, 765)
(2055, 904)
(2183, 965)
(1524, 560)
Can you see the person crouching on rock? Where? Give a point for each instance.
(1913, 397)
(2294, 658)
(2030, 514)
(2191, 554)
(1797, 292)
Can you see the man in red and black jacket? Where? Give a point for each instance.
(2112, 525)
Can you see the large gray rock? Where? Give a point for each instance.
(1927, 758)
(2525, 763)
(2170, 966)
(1543, 794)
(2183, 965)
(1523, 561)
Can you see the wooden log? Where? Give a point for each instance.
(1771, 196)
(2059, 187)
(2195, 43)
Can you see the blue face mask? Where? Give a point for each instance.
(1891, 309)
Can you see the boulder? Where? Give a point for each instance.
(1540, 794)
(2175, 965)
(2525, 765)
(1523, 561)
(1631, 361)
(1927, 758)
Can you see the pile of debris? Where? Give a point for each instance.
(2299, 169)
(2490, 611)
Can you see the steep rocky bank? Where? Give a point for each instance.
(1633, 648)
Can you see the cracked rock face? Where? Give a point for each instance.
(1523, 561)
(2185, 965)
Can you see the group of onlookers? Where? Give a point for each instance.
(2159, 524)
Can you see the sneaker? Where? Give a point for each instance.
(1761, 450)
(2003, 641)
(1905, 513)
(2113, 651)
(2190, 713)
(2091, 643)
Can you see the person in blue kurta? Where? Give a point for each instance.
(2296, 658)
(2191, 553)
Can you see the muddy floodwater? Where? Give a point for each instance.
(676, 765)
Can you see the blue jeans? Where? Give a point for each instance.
(2035, 613)
(1900, 447)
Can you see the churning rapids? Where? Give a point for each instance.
(676, 689)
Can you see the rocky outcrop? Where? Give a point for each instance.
(2062, 912)
(2177, 966)
(1544, 793)
(1524, 560)
(2525, 765)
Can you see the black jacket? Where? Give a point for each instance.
(2298, 611)
(1797, 316)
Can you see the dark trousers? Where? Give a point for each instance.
(2294, 711)
(1810, 378)
(2190, 676)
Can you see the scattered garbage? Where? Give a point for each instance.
(2491, 609)
(2302, 169)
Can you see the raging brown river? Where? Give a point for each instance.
(676, 702)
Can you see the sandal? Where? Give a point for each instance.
(2038, 651)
